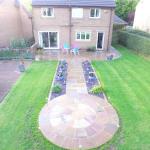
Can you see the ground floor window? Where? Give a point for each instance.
(48, 40)
(83, 36)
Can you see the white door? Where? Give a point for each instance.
(49, 40)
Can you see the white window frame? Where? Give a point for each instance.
(42, 9)
(95, 13)
(58, 40)
(84, 40)
(77, 17)
(102, 41)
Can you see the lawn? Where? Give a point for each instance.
(20, 109)
(127, 85)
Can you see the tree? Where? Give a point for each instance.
(124, 7)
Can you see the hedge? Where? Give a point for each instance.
(115, 38)
(15, 54)
(135, 42)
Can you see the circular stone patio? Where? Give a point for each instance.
(80, 122)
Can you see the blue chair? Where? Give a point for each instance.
(66, 48)
(75, 50)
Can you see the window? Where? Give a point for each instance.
(77, 12)
(48, 12)
(83, 36)
(95, 13)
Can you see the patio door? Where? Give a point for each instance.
(49, 40)
(100, 40)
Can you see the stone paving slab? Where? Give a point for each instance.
(75, 122)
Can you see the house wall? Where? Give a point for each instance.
(26, 22)
(10, 23)
(14, 23)
(142, 16)
(61, 22)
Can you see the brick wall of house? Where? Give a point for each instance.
(60, 23)
(14, 23)
(26, 22)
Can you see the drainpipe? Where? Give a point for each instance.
(110, 28)
(70, 25)
(32, 26)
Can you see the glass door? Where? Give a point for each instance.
(100, 38)
(48, 40)
(53, 37)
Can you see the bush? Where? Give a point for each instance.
(115, 38)
(57, 88)
(138, 32)
(15, 54)
(96, 90)
(135, 42)
(91, 49)
(21, 43)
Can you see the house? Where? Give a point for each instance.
(142, 16)
(15, 22)
(85, 23)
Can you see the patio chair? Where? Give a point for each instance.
(75, 50)
(65, 48)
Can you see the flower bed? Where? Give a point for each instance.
(59, 86)
(90, 78)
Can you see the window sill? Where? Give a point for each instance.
(47, 17)
(95, 17)
(82, 40)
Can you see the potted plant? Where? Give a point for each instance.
(39, 53)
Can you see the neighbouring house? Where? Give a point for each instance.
(84, 23)
(142, 16)
(15, 22)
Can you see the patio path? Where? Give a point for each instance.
(78, 120)
(75, 80)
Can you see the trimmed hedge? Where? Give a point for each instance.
(115, 38)
(135, 42)
(15, 54)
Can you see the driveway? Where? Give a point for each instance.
(9, 74)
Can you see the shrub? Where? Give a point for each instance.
(135, 42)
(21, 43)
(57, 88)
(96, 89)
(91, 49)
(15, 54)
(138, 32)
(115, 38)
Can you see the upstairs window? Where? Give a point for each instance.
(47, 12)
(77, 12)
(83, 36)
(95, 13)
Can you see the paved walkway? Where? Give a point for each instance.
(75, 80)
(78, 120)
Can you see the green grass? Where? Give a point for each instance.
(126, 82)
(20, 109)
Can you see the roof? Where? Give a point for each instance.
(119, 21)
(75, 3)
